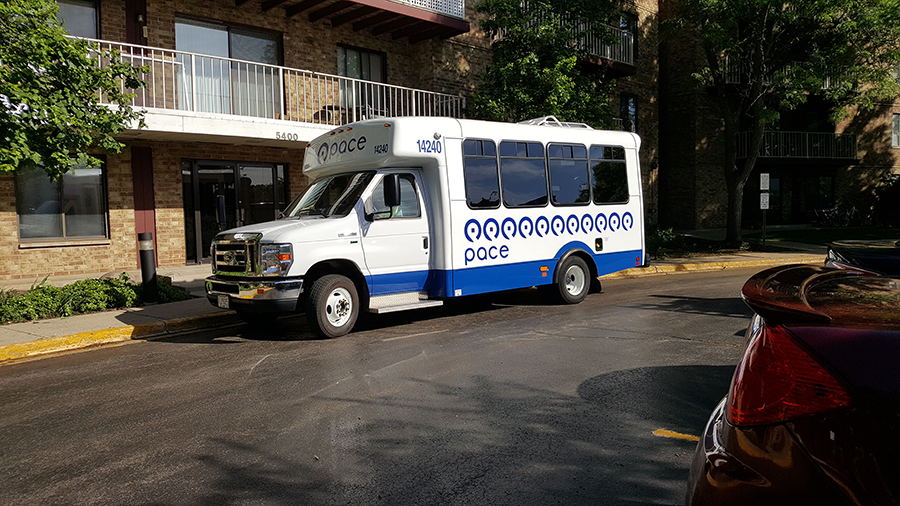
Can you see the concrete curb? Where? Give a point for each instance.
(713, 266)
(50, 345)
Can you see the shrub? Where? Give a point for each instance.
(45, 301)
(12, 306)
(661, 241)
(120, 292)
(84, 296)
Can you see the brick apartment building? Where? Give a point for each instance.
(812, 163)
(236, 88)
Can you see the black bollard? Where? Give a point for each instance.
(148, 267)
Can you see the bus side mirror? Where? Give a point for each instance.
(391, 190)
(390, 187)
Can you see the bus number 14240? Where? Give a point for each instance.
(428, 146)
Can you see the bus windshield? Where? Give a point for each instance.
(330, 196)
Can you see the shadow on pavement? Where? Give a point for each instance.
(492, 442)
(730, 307)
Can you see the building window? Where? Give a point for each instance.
(480, 172)
(610, 177)
(228, 87)
(628, 22)
(363, 97)
(79, 18)
(74, 207)
(216, 39)
(895, 132)
(569, 178)
(628, 112)
(522, 174)
(361, 64)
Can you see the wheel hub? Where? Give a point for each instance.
(338, 307)
(574, 280)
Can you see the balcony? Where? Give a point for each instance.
(736, 73)
(609, 46)
(620, 54)
(416, 20)
(189, 85)
(801, 145)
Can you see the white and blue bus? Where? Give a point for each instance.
(403, 213)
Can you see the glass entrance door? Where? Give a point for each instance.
(219, 195)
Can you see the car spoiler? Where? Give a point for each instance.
(779, 294)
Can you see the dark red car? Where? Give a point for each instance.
(813, 412)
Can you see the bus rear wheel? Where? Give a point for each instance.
(332, 306)
(573, 281)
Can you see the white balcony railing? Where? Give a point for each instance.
(177, 80)
(593, 41)
(454, 8)
(595, 38)
(800, 145)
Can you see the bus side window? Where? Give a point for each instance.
(569, 178)
(409, 200)
(480, 173)
(523, 174)
(609, 175)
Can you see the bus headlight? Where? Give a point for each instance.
(275, 259)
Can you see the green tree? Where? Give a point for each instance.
(767, 56)
(49, 92)
(537, 67)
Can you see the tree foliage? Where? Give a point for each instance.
(538, 68)
(49, 92)
(764, 57)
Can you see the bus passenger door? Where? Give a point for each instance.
(396, 242)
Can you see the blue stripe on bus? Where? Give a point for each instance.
(523, 275)
(494, 278)
(398, 282)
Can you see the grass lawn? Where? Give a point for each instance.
(822, 235)
(662, 244)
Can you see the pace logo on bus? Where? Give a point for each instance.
(491, 231)
(329, 150)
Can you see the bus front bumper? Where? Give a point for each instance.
(254, 295)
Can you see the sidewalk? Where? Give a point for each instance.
(43, 337)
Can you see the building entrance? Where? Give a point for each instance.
(219, 195)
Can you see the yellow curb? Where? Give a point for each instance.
(66, 343)
(113, 335)
(714, 266)
(147, 330)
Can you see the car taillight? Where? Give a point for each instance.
(777, 380)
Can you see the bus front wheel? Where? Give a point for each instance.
(332, 306)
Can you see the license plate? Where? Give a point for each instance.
(223, 301)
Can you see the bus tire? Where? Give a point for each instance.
(573, 281)
(332, 306)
